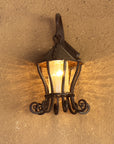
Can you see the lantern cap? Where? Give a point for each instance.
(62, 50)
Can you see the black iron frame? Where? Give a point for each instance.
(68, 101)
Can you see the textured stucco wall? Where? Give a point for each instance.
(26, 30)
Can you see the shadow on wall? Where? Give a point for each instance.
(42, 33)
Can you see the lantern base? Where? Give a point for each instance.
(68, 102)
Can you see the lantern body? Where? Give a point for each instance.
(59, 76)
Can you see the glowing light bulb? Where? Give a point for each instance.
(58, 73)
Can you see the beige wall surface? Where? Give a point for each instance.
(26, 30)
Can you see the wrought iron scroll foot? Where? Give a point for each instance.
(36, 108)
(68, 102)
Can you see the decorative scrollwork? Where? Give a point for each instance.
(68, 102)
(81, 107)
(36, 108)
(56, 106)
(64, 104)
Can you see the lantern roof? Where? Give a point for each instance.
(61, 50)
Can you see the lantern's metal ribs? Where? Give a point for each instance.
(81, 107)
(64, 102)
(63, 78)
(43, 80)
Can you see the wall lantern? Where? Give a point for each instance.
(59, 71)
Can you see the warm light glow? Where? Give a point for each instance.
(56, 71)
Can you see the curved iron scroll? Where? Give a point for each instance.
(68, 102)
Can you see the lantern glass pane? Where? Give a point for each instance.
(57, 71)
(72, 68)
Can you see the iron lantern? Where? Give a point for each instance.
(59, 72)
